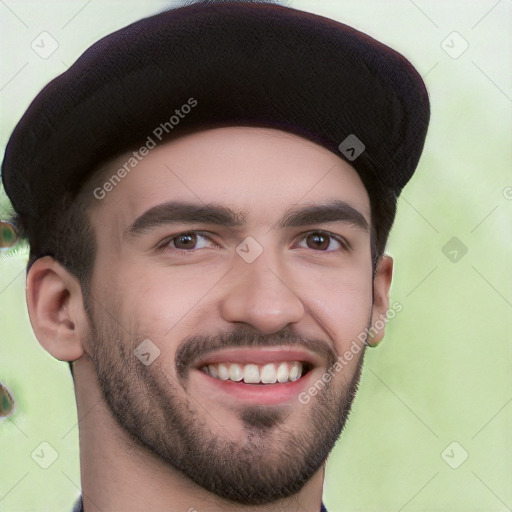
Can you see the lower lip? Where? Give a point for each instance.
(261, 394)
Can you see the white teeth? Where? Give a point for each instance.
(282, 373)
(236, 372)
(251, 374)
(295, 371)
(223, 372)
(268, 374)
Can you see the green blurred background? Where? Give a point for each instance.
(439, 387)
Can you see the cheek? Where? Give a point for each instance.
(341, 302)
(163, 303)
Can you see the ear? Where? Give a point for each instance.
(56, 309)
(381, 285)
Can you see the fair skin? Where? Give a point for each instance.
(170, 437)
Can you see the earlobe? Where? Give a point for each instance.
(381, 286)
(55, 307)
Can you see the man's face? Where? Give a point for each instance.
(297, 293)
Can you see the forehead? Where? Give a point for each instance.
(260, 171)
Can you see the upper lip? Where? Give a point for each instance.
(259, 356)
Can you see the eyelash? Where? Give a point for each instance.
(164, 245)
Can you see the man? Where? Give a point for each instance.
(207, 195)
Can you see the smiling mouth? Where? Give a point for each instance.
(258, 374)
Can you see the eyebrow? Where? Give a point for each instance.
(216, 214)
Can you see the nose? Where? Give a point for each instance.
(261, 296)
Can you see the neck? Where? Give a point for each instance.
(117, 474)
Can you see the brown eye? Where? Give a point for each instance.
(318, 241)
(185, 241)
(190, 241)
(321, 241)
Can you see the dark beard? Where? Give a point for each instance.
(147, 403)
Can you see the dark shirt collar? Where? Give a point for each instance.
(79, 507)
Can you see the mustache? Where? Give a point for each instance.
(195, 347)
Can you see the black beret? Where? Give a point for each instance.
(215, 64)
